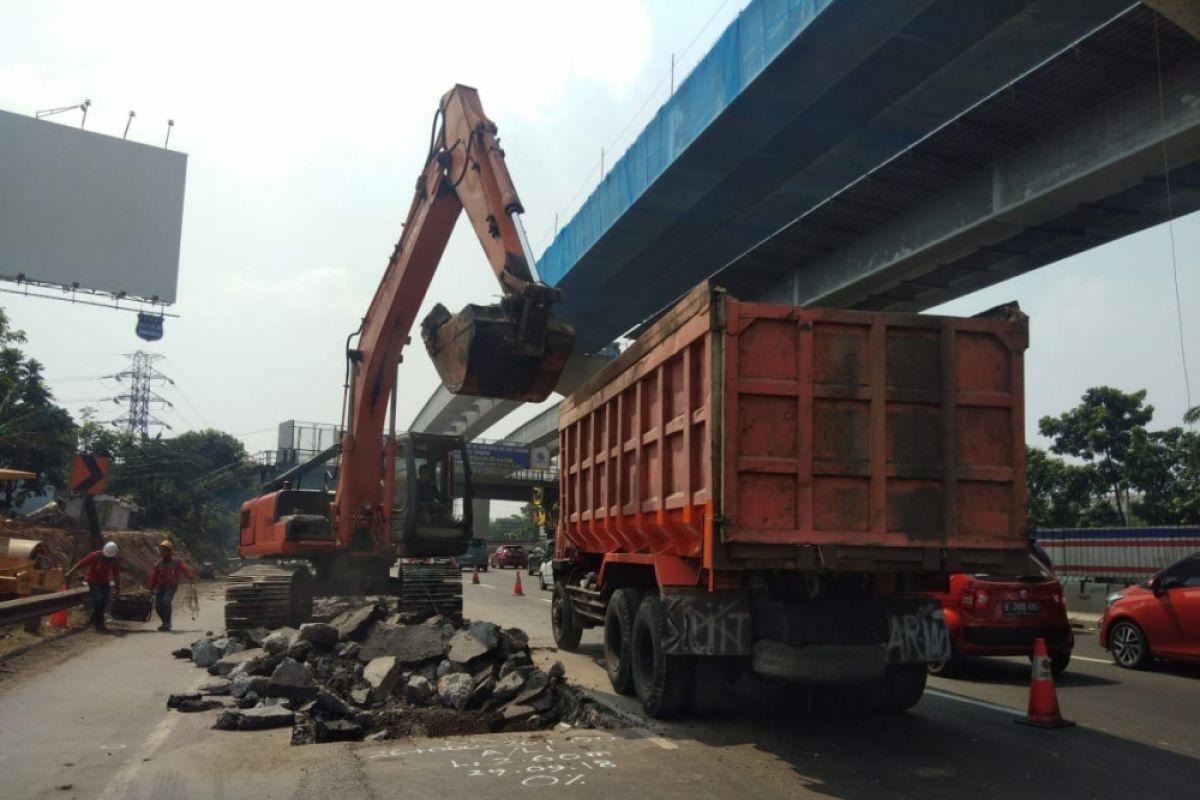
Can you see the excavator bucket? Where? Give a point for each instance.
(498, 351)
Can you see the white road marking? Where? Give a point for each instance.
(971, 701)
(544, 600)
(487, 586)
(118, 787)
(665, 744)
(1093, 660)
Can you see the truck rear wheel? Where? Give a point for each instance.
(708, 683)
(900, 689)
(659, 679)
(567, 630)
(618, 639)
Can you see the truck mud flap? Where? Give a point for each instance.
(819, 663)
(917, 635)
(706, 623)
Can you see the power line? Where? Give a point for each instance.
(1162, 121)
(191, 405)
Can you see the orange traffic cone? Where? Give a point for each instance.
(517, 590)
(1043, 700)
(475, 575)
(59, 618)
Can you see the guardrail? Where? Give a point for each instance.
(13, 612)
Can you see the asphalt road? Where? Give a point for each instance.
(961, 731)
(92, 723)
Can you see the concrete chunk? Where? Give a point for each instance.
(205, 653)
(356, 624)
(508, 686)
(321, 634)
(278, 641)
(419, 690)
(482, 691)
(514, 713)
(242, 661)
(479, 639)
(409, 644)
(337, 730)
(447, 667)
(512, 662)
(330, 703)
(291, 680)
(382, 673)
(535, 684)
(255, 719)
(455, 690)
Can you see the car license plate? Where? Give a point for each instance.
(1018, 608)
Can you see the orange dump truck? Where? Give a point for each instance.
(773, 488)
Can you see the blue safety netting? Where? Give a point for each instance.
(760, 32)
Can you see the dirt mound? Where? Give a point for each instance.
(68, 542)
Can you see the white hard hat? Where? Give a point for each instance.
(110, 549)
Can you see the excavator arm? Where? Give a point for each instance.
(515, 350)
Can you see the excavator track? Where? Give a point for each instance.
(267, 596)
(431, 589)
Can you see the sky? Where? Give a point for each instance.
(305, 131)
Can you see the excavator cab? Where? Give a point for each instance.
(431, 496)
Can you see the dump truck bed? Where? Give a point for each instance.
(751, 435)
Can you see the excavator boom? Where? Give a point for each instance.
(514, 350)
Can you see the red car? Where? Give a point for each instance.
(989, 615)
(1158, 618)
(510, 555)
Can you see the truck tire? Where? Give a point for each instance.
(660, 680)
(947, 668)
(901, 689)
(567, 631)
(707, 684)
(618, 639)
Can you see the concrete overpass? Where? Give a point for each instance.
(895, 156)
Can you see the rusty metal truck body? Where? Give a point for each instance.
(773, 487)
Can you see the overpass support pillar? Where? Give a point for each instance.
(481, 509)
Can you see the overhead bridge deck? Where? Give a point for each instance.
(885, 156)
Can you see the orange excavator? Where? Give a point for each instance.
(396, 494)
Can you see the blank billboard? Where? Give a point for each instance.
(84, 210)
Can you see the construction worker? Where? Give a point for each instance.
(428, 493)
(103, 567)
(164, 580)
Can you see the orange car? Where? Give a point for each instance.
(510, 555)
(989, 615)
(1158, 618)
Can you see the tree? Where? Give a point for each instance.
(1100, 430)
(161, 476)
(515, 526)
(1192, 415)
(1060, 495)
(35, 433)
(1164, 468)
(97, 438)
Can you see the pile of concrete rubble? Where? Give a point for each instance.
(368, 674)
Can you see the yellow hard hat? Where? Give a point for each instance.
(165, 543)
